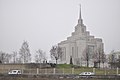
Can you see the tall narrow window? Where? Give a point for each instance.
(77, 52)
(90, 51)
(72, 51)
(64, 53)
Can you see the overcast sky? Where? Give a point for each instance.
(44, 23)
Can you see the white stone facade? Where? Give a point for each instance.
(78, 43)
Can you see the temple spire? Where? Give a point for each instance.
(80, 17)
(80, 12)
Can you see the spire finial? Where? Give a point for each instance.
(80, 17)
(80, 12)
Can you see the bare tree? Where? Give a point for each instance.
(2, 57)
(103, 58)
(25, 53)
(40, 56)
(112, 59)
(95, 58)
(14, 55)
(111, 56)
(99, 57)
(56, 52)
(5, 57)
(18, 60)
(86, 55)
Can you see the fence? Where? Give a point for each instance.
(66, 71)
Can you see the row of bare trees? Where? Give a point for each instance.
(40, 56)
(98, 56)
(4, 57)
(23, 55)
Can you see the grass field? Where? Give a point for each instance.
(68, 69)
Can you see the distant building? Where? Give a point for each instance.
(78, 44)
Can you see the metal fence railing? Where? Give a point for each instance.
(65, 71)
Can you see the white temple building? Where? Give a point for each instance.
(78, 44)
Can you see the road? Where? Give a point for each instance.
(57, 77)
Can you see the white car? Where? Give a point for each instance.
(14, 72)
(87, 73)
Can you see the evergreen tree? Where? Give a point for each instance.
(71, 60)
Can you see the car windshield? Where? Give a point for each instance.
(14, 71)
(18, 71)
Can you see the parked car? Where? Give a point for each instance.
(87, 73)
(14, 72)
